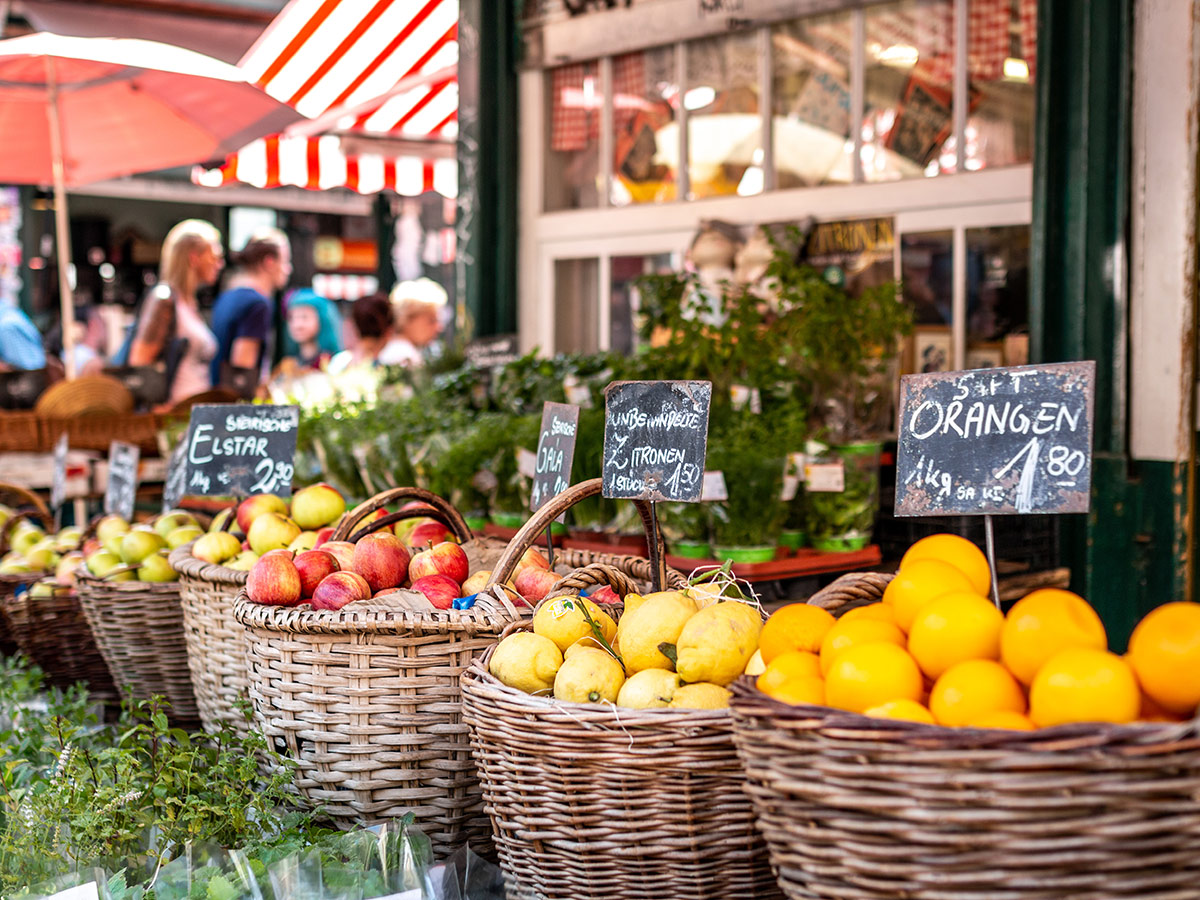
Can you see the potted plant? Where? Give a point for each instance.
(685, 527)
(748, 451)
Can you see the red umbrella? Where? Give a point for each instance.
(76, 110)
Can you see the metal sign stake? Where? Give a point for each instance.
(656, 568)
(550, 547)
(990, 538)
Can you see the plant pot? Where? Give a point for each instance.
(841, 545)
(476, 523)
(844, 521)
(508, 520)
(793, 538)
(558, 529)
(745, 554)
(691, 549)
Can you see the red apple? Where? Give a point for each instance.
(323, 535)
(534, 584)
(340, 588)
(279, 551)
(476, 583)
(381, 559)
(604, 594)
(313, 566)
(438, 590)
(273, 580)
(415, 504)
(446, 558)
(253, 507)
(427, 534)
(90, 546)
(531, 557)
(343, 552)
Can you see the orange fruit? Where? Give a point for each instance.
(1041, 624)
(1003, 718)
(909, 710)
(1150, 711)
(920, 582)
(958, 552)
(1164, 651)
(867, 675)
(1084, 685)
(796, 626)
(972, 689)
(807, 690)
(787, 666)
(856, 631)
(953, 628)
(883, 612)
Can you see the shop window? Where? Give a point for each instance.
(927, 276)
(575, 102)
(623, 306)
(645, 133)
(1001, 64)
(576, 305)
(724, 120)
(811, 95)
(908, 90)
(997, 296)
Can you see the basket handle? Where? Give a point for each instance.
(27, 497)
(593, 575)
(9, 526)
(559, 504)
(441, 510)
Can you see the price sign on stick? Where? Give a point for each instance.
(235, 450)
(58, 487)
(174, 488)
(655, 439)
(122, 479)
(555, 453)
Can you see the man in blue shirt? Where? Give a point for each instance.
(20, 342)
(242, 314)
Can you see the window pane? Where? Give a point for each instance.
(1001, 59)
(574, 102)
(927, 275)
(624, 304)
(646, 138)
(576, 310)
(908, 90)
(997, 296)
(811, 81)
(724, 122)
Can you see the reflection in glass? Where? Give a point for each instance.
(623, 310)
(927, 277)
(724, 123)
(645, 139)
(574, 105)
(811, 139)
(576, 307)
(908, 90)
(997, 296)
(1001, 64)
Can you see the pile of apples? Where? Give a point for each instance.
(122, 551)
(33, 551)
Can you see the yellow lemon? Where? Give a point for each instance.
(1041, 624)
(705, 594)
(587, 642)
(880, 611)
(702, 695)
(856, 631)
(632, 602)
(1003, 718)
(589, 676)
(1084, 685)
(956, 551)
(972, 689)
(807, 690)
(908, 710)
(867, 675)
(717, 642)
(788, 666)
(649, 689)
(1165, 653)
(526, 661)
(796, 626)
(756, 666)
(955, 627)
(562, 621)
(919, 583)
(657, 620)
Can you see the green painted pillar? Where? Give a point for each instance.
(385, 241)
(485, 268)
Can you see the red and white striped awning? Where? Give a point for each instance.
(384, 67)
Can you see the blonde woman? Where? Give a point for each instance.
(418, 307)
(170, 327)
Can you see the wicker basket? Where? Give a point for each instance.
(600, 802)
(366, 701)
(138, 626)
(23, 431)
(865, 809)
(26, 505)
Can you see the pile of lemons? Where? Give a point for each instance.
(937, 650)
(675, 649)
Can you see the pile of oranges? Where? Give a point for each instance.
(938, 651)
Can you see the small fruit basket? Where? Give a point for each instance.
(976, 756)
(21, 507)
(600, 785)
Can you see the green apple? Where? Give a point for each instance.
(217, 547)
(305, 540)
(14, 564)
(180, 536)
(139, 544)
(25, 537)
(226, 515)
(173, 519)
(6, 513)
(68, 539)
(42, 558)
(271, 531)
(156, 568)
(258, 505)
(103, 563)
(317, 505)
(243, 561)
(43, 590)
(110, 527)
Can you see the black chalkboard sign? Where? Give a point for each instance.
(492, 351)
(237, 450)
(995, 441)
(58, 487)
(122, 485)
(176, 483)
(555, 453)
(655, 439)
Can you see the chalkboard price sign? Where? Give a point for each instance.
(555, 453)
(58, 487)
(655, 439)
(176, 483)
(237, 450)
(122, 479)
(996, 441)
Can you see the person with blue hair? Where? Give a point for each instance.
(314, 329)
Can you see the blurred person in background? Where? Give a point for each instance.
(418, 307)
(373, 323)
(242, 314)
(20, 341)
(90, 339)
(170, 326)
(314, 331)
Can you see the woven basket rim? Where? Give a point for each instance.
(84, 577)
(748, 702)
(26, 577)
(187, 565)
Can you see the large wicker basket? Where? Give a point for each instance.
(601, 802)
(138, 626)
(366, 701)
(865, 809)
(26, 505)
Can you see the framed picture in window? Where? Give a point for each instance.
(985, 356)
(932, 349)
